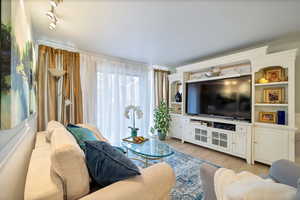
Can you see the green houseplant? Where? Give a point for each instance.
(162, 119)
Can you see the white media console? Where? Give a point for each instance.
(255, 140)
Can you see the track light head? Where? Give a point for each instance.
(52, 25)
(54, 3)
(50, 15)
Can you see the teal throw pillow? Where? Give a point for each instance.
(81, 135)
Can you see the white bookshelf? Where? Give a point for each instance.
(264, 142)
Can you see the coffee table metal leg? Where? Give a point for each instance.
(143, 159)
(146, 162)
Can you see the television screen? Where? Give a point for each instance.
(230, 97)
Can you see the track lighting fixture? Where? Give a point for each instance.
(51, 13)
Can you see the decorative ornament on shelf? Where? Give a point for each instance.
(274, 95)
(214, 71)
(281, 117)
(268, 117)
(274, 74)
(133, 111)
(263, 81)
(178, 97)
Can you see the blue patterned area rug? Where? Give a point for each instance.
(187, 171)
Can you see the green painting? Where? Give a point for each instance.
(5, 69)
(17, 98)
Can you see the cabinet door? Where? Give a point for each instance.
(220, 140)
(201, 135)
(270, 145)
(178, 127)
(239, 141)
(188, 133)
(175, 128)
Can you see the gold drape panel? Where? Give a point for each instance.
(69, 84)
(161, 86)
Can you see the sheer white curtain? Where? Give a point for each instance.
(108, 87)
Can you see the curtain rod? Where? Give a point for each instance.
(161, 70)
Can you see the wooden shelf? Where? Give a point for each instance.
(270, 125)
(173, 102)
(218, 77)
(272, 105)
(270, 84)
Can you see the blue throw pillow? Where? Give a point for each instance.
(108, 165)
(81, 135)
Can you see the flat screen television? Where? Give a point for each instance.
(228, 98)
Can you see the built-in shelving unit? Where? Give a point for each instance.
(272, 141)
(255, 140)
(260, 105)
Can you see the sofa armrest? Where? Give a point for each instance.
(207, 174)
(285, 172)
(154, 183)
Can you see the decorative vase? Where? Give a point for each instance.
(178, 97)
(161, 135)
(134, 131)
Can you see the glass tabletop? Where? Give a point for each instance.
(151, 148)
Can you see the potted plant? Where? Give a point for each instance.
(133, 111)
(162, 119)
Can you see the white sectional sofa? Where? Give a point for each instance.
(57, 171)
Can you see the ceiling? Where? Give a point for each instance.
(166, 32)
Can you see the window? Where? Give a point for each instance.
(115, 91)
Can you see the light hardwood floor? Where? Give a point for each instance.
(221, 159)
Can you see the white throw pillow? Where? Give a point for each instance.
(259, 190)
(51, 126)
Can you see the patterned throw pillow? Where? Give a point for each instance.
(81, 135)
(108, 165)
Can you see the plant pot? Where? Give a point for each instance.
(161, 135)
(134, 131)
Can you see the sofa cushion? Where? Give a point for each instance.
(285, 172)
(96, 132)
(107, 165)
(41, 184)
(51, 126)
(68, 161)
(81, 134)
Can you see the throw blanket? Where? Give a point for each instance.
(247, 186)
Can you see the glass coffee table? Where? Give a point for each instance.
(153, 149)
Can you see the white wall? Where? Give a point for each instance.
(14, 160)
